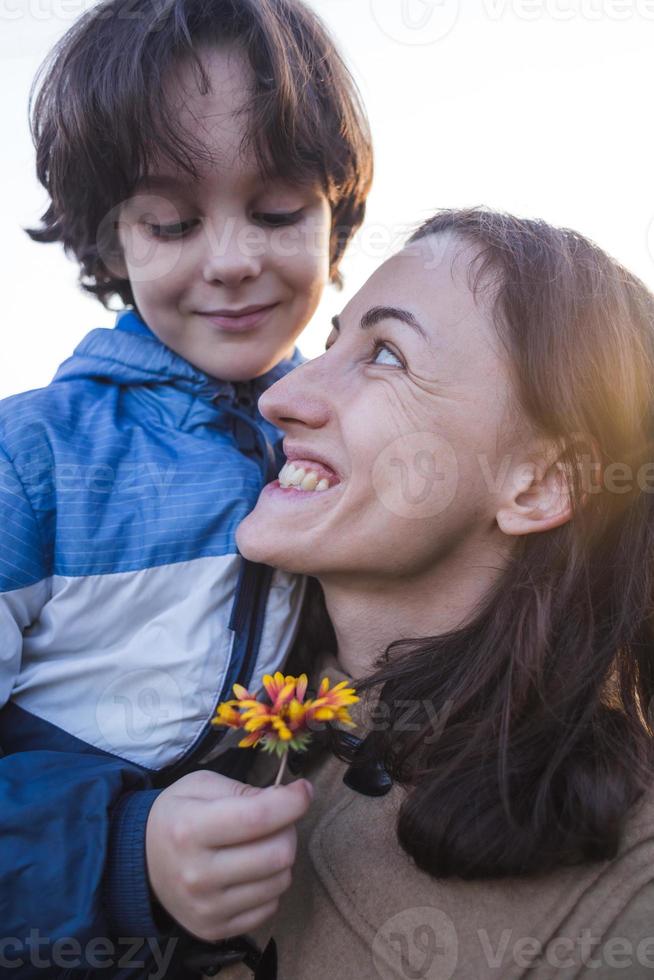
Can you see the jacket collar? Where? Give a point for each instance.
(131, 354)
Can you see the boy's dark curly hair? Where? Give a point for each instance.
(98, 112)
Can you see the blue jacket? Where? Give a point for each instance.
(126, 615)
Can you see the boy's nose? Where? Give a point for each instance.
(229, 260)
(299, 399)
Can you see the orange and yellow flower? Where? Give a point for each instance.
(287, 718)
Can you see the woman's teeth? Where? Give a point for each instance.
(301, 479)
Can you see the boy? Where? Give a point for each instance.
(207, 164)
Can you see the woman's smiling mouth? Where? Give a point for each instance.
(304, 477)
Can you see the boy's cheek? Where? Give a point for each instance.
(115, 264)
(305, 245)
(311, 266)
(152, 263)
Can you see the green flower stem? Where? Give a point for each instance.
(282, 769)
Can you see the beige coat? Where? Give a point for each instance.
(359, 909)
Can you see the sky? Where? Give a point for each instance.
(538, 107)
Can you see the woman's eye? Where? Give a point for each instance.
(383, 354)
(167, 232)
(278, 219)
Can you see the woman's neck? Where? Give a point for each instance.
(368, 616)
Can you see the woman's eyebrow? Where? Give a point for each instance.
(379, 313)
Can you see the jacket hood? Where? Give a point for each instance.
(131, 354)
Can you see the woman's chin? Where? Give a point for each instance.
(259, 540)
(248, 540)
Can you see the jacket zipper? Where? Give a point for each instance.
(248, 609)
(254, 579)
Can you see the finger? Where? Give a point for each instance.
(245, 863)
(249, 921)
(251, 817)
(204, 784)
(246, 898)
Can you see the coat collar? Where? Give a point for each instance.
(131, 354)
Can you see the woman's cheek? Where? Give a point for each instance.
(416, 475)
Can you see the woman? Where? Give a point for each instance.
(483, 420)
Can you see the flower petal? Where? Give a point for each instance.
(227, 715)
(301, 687)
(297, 713)
(250, 740)
(285, 695)
(273, 685)
(256, 724)
(324, 713)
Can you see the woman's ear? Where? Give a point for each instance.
(539, 498)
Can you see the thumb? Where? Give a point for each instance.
(299, 786)
(208, 785)
(244, 789)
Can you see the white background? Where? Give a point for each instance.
(541, 107)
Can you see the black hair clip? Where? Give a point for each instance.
(210, 960)
(364, 775)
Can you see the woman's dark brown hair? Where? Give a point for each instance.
(545, 735)
(99, 113)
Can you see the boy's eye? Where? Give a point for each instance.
(383, 354)
(277, 219)
(176, 230)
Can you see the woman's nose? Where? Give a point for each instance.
(300, 399)
(231, 256)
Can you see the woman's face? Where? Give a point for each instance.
(407, 418)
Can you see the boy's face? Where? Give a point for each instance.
(226, 270)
